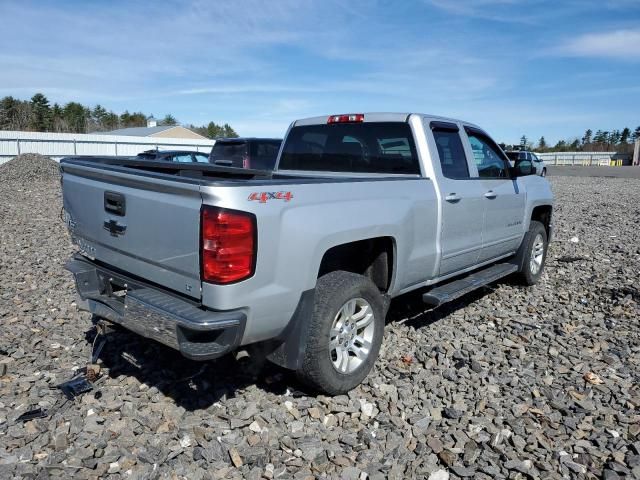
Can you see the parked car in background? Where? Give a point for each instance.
(538, 163)
(523, 155)
(254, 153)
(180, 156)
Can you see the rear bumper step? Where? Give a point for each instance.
(197, 333)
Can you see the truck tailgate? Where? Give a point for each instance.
(143, 225)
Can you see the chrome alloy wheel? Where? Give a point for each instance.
(537, 254)
(351, 335)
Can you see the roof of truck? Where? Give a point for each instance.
(248, 139)
(380, 117)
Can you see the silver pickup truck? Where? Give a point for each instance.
(303, 261)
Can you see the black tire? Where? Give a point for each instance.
(544, 172)
(527, 274)
(333, 291)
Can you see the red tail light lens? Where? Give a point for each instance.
(228, 249)
(346, 118)
(246, 163)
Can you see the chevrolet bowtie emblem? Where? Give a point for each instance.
(114, 228)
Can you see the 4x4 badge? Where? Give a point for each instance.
(262, 197)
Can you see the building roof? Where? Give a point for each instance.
(138, 131)
(164, 131)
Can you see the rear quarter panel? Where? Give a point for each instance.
(294, 235)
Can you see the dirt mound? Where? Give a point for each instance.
(29, 167)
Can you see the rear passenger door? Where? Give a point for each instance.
(462, 201)
(504, 201)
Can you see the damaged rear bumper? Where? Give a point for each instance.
(154, 313)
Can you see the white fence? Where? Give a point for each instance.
(59, 145)
(583, 158)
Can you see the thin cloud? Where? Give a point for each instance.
(506, 11)
(618, 44)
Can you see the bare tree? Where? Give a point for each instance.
(22, 117)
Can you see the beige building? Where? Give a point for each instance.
(153, 130)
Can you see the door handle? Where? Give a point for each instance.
(490, 194)
(452, 198)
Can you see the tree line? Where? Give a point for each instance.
(621, 141)
(38, 115)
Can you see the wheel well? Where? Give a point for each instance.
(372, 257)
(542, 214)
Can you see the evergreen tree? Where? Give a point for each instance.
(561, 146)
(168, 120)
(229, 132)
(57, 119)
(110, 121)
(598, 137)
(523, 141)
(41, 118)
(614, 137)
(542, 144)
(586, 139)
(625, 135)
(137, 119)
(98, 116)
(75, 116)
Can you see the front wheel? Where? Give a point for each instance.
(544, 172)
(535, 253)
(345, 333)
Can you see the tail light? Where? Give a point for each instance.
(245, 162)
(228, 245)
(346, 118)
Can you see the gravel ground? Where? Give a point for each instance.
(506, 383)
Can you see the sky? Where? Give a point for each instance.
(514, 67)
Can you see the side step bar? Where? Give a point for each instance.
(457, 288)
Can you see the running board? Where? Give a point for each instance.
(450, 291)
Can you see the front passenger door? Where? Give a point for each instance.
(504, 201)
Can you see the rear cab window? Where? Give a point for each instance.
(369, 147)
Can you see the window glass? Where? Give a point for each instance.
(184, 158)
(201, 157)
(452, 158)
(488, 159)
(228, 151)
(264, 154)
(380, 147)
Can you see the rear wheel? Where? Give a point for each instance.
(535, 253)
(544, 172)
(345, 332)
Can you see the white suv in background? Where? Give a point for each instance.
(523, 155)
(541, 167)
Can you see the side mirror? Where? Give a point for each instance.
(523, 168)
